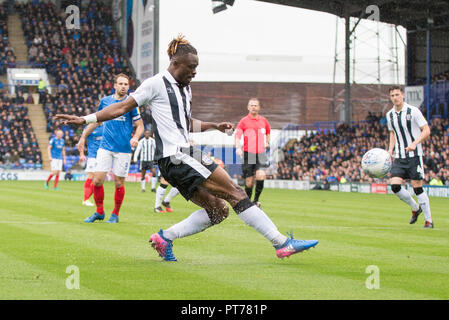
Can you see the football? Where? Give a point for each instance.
(376, 163)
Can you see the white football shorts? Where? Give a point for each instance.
(117, 161)
(91, 165)
(56, 164)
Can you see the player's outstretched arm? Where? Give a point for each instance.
(111, 112)
(200, 126)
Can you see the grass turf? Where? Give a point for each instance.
(42, 233)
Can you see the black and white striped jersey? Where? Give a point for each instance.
(145, 149)
(170, 110)
(406, 125)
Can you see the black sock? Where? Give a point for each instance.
(259, 188)
(249, 191)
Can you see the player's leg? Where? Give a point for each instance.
(160, 192)
(119, 196)
(249, 184)
(166, 203)
(248, 172)
(52, 173)
(104, 164)
(120, 168)
(88, 184)
(261, 165)
(221, 185)
(213, 211)
(56, 175)
(153, 179)
(55, 167)
(399, 173)
(143, 172)
(260, 179)
(417, 179)
(423, 201)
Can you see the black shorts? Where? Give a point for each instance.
(146, 165)
(186, 170)
(408, 168)
(253, 162)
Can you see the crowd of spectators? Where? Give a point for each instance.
(81, 61)
(336, 156)
(7, 56)
(18, 145)
(442, 76)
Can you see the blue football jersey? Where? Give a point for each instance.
(117, 132)
(56, 147)
(93, 141)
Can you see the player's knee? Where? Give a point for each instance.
(396, 188)
(418, 190)
(218, 212)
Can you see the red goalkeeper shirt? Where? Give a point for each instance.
(254, 132)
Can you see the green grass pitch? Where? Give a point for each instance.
(42, 233)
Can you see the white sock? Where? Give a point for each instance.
(142, 182)
(423, 200)
(173, 193)
(256, 218)
(196, 222)
(153, 182)
(405, 196)
(159, 196)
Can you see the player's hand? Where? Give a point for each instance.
(82, 157)
(80, 146)
(134, 142)
(69, 119)
(411, 147)
(225, 127)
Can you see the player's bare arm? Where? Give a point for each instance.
(81, 143)
(425, 134)
(140, 128)
(63, 155)
(111, 112)
(49, 152)
(392, 143)
(200, 126)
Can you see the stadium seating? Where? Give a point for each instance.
(18, 145)
(7, 57)
(81, 63)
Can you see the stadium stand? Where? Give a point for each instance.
(80, 62)
(18, 145)
(335, 156)
(7, 56)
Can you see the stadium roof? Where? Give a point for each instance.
(411, 14)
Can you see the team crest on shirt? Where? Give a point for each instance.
(206, 160)
(408, 117)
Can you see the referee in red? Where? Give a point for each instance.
(256, 132)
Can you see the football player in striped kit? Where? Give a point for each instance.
(145, 154)
(197, 177)
(408, 129)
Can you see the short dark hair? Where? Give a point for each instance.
(395, 88)
(121, 75)
(179, 47)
